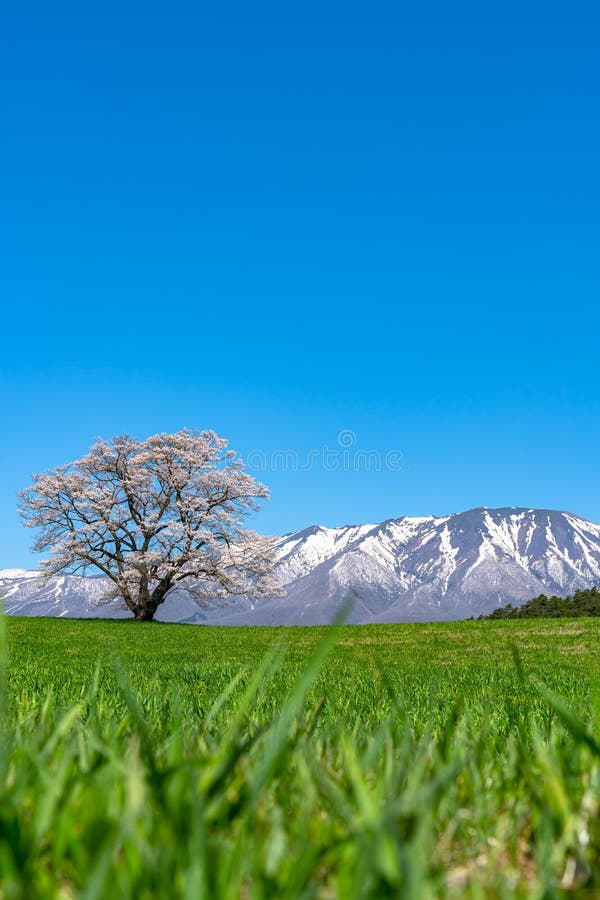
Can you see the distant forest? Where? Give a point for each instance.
(582, 603)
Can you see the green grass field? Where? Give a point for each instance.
(458, 759)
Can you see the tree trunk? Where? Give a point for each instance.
(144, 608)
(148, 603)
(144, 614)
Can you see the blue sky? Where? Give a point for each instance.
(282, 222)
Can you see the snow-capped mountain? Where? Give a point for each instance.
(27, 593)
(407, 569)
(415, 569)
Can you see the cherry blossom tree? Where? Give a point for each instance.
(153, 515)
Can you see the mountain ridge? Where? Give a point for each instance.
(409, 568)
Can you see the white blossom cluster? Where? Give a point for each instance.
(151, 515)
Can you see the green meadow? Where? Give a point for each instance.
(143, 760)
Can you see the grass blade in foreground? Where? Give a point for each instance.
(199, 771)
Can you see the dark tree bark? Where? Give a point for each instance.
(144, 614)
